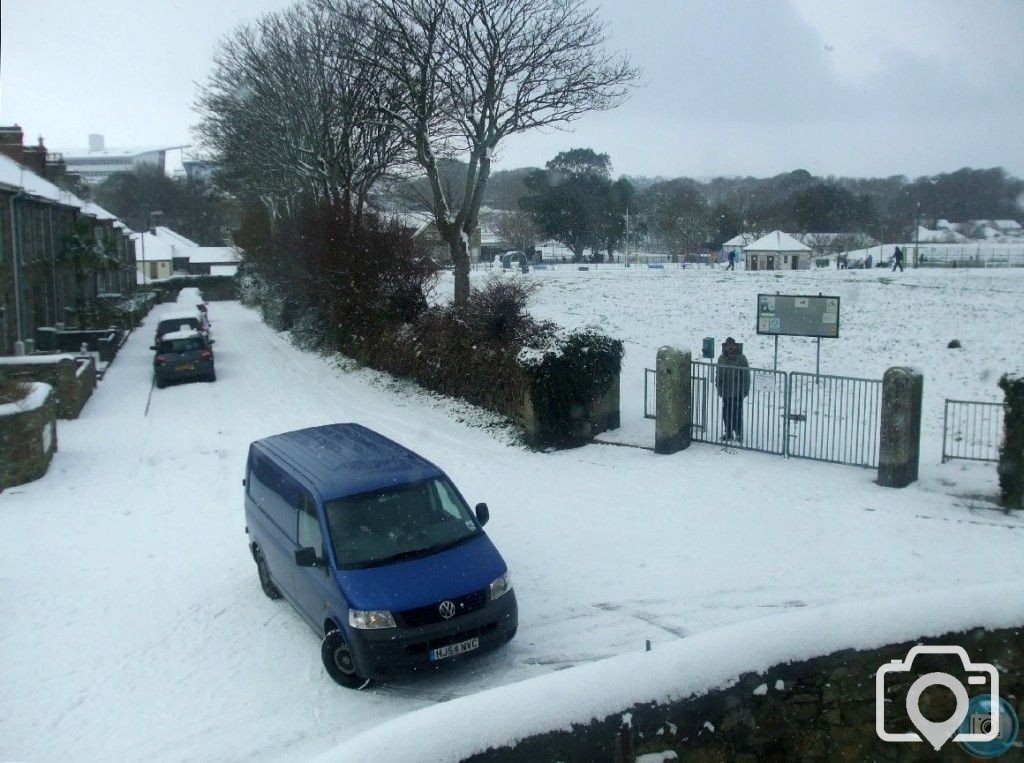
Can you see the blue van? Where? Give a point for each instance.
(376, 549)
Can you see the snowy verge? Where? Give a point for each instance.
(693, 666)
(38, 392)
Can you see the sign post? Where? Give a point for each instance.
(798, 315)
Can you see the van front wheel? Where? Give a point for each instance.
(265, 582)
(338, 661)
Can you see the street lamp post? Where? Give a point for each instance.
(917, 232)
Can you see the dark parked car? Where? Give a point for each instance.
(183, 355)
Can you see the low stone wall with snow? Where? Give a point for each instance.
(28, 436)
(794, 686)
(815, 710)
(73, 378)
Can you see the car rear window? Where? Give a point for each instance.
(167, 326)
(182, 345)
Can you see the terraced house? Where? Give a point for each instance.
(57, 251)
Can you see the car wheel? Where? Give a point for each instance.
(212, 377)
(160, 383)
(338, 661)
(265, 582)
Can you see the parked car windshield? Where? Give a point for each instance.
(402, 522)
(182, 345)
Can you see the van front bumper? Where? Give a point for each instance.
(392, 651)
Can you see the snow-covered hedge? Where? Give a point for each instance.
(1011, 454)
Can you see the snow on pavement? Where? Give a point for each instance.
(133, 625)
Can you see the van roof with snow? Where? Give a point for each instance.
(340, 460)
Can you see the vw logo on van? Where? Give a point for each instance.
(447, 609)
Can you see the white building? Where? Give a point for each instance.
(162, 253)
(737, 244)
(778, 251)
(97, 162)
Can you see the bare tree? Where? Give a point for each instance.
(515, 228)
(289, 112)
(469, 73)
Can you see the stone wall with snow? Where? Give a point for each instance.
(28, 436)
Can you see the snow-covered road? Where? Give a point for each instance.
(132, 625)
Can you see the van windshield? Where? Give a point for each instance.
(415, 519)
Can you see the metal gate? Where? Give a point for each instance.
(971, 430)
(834, 418)
(755, 422)
(824, 418)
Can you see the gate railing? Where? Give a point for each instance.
(825, 418)
(834, 418)
(650, 390)
(971, 430)
(755, 421)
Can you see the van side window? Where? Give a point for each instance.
(309, 527)
(275, 492)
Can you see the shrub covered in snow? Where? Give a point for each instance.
(1011, 454)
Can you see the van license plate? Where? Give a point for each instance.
(453, 649)
(184, 367)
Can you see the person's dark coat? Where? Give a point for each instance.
(733, 378)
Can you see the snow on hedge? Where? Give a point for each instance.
(696, 665)
(38, 392)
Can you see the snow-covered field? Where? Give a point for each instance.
(132, 625)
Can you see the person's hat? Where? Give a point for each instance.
(730, 340)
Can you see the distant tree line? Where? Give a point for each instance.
(683, 215)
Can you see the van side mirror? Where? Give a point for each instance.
(152, 347)
(306, 557)
(482, 513)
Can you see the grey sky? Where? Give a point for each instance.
(730, 87)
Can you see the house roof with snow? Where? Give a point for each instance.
(212, 255)
(742, 240)
(17, 176)
(172, 237)
(777, 241)
(942, 236)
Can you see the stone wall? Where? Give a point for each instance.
(73, 378)
(599, 414)
(816, 710)
(28, 440)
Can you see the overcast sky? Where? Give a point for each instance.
(755, 87)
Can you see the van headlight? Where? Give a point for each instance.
(501, 586)
(370, 619)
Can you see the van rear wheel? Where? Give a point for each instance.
(338, 661)
(265, 582)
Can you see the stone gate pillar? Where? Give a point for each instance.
(900, 446)
(672, 399)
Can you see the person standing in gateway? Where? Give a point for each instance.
(733, 382)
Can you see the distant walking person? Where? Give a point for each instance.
(732, 260)
(897, 260)
(733, 382)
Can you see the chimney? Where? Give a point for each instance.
(95, 142)
(34, 157)
(10, 142)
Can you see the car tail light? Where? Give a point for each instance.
(206, 354)
(160, 360)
